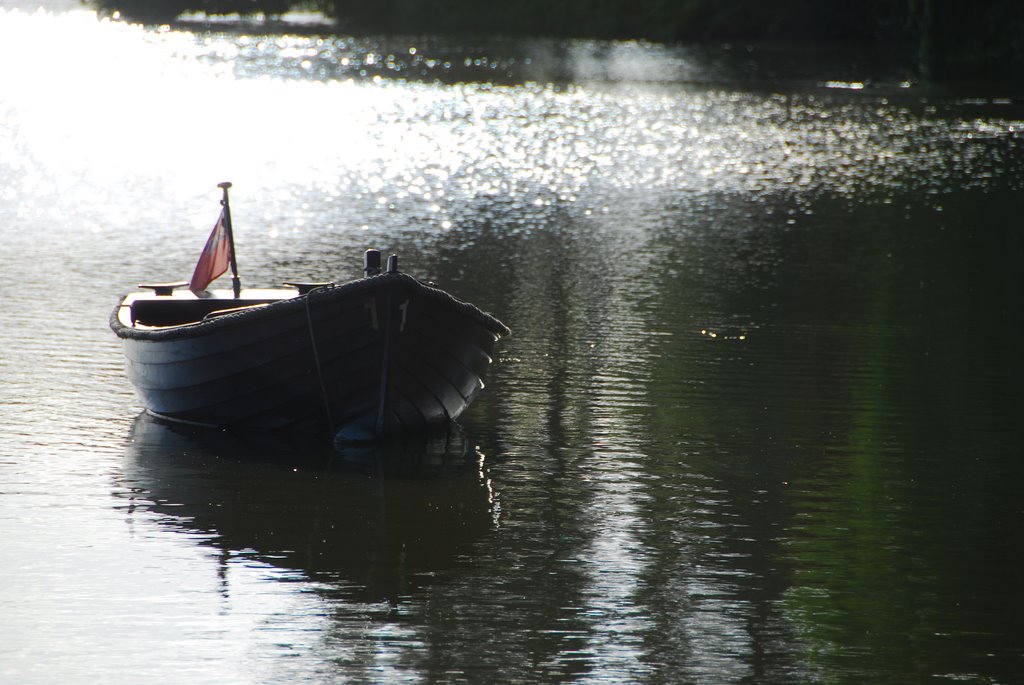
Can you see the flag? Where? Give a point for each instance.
(215, 259)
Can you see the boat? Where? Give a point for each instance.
(379, 356)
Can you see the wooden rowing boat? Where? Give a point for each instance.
(382, 355)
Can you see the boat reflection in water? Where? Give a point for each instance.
(378, 519)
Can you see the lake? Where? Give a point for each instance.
(759, 420)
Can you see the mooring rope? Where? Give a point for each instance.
(316, 360)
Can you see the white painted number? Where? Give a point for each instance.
(405, 310)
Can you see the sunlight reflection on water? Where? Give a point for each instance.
(123, 104)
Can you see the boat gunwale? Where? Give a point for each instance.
(272, 308)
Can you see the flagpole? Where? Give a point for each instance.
(236, 283)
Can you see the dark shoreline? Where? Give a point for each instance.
(985, 43)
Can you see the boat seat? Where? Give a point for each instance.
(232, 310)
(164, 288)
(306, 286)
(179, 312)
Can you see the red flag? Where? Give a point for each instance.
(215, 259)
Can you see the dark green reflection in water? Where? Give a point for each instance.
(908, 538)
(812, 426)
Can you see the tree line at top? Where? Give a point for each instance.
(954, 39)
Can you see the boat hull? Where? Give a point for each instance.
(380, 356)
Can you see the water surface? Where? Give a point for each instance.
(759, 419)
